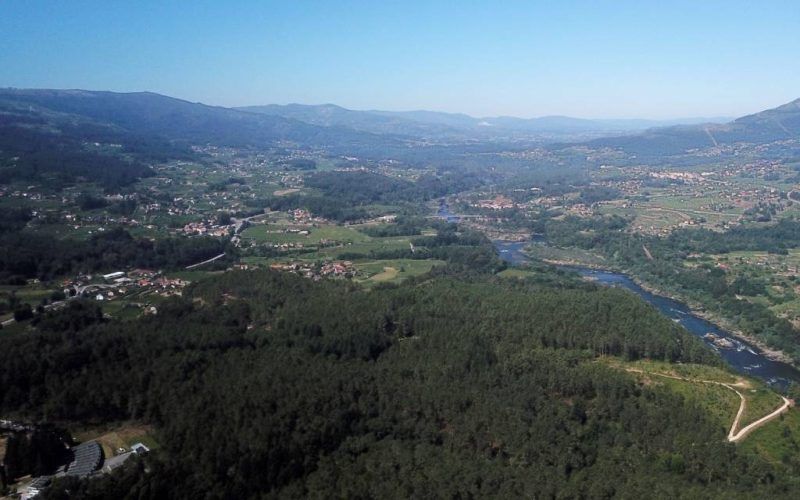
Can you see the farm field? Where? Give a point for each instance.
(663, 211)
(393, 270)
(32, 294)
(712, 199)
(774, 278)
(326, 241)
(122, 436)
(372, 245)
(285, 233)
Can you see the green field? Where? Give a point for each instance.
(393, 270)
(760, 402)
(663, 209)
(514, 272)
(112, 438)
(777, 273)
(32, 294)
(371, 245)
(278, 234)
(778, 441)
(720, 402)
(121, 309)
(686, 370)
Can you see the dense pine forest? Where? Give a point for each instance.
(47, 258)
(450, 385)
(390, 250)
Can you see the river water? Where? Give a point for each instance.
(743, 357)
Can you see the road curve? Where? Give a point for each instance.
(787, 403)
(733, 435)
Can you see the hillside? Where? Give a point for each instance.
(777, 124)
(289, 388)
(150, 114)
(329, 115)
(438, 124)
(774, 124)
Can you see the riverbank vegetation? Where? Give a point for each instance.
(661, 262)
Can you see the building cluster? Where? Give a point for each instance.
(301, 216)
(206, 228)
(119, 284)
(687, 177)
(333, 269)
(499, 202)
(86, 461)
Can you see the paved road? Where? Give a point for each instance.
(212, 259)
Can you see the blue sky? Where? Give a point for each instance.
(649, 59)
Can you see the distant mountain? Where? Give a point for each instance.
(149, 114)
(772, 125)
(432, 123)
(454, 120)
(331, 115)
(150, 127)
(58, 137)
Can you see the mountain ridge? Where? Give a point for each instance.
(326, 114)
(178, 119)
(375, 133)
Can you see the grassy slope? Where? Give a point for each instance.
(778, 442)
(720, 402)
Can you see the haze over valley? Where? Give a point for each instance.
(206, 293)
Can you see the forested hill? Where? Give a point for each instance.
(777, 124)
(56, 149)
(60, 136)
(269, 385)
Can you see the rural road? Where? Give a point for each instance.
(212, 259)
(787, 403)
(733, 435)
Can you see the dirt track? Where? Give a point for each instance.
(733, 435)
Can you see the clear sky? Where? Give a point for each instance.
(649, 59)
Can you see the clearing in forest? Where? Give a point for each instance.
(741, 404)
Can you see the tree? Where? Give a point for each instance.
(23, 312)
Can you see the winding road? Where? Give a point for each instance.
(733, 435)
(734, 438)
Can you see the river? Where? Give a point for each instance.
(742, 356)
